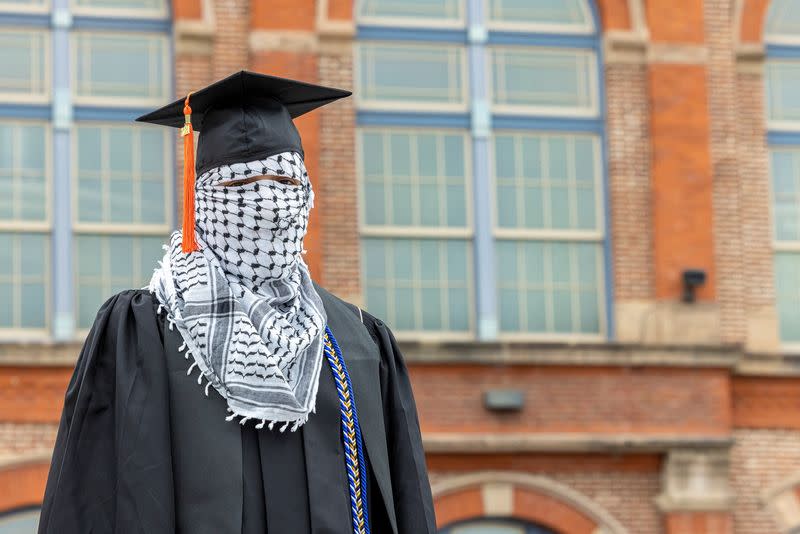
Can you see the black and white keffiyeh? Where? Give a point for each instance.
(245, 304)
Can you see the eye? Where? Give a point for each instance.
(287, 181)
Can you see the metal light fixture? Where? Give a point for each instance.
(692, 279)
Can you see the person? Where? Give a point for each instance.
(298, 415)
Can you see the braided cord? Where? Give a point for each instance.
(351, 435)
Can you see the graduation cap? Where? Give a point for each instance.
(244, 117)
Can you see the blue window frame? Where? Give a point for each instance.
(92, 192)
(522, 82)
(782, 80)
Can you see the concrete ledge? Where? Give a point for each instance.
(44, 353)
(590, 354)
(453, 442)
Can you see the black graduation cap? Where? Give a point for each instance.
(244, 117)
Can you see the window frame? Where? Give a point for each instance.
(597, 237)
(363, 103)
(112, 101)
(591, 112)
(782, 135)
(47, 82)
(105, 277)
(109, 228)
(439, 233)
(14, 8)
(414, 22)
(44, 228)
(778, 246)
(20, 333)
(46, 224)
(542, 27)
(113, 12)
(390, 230)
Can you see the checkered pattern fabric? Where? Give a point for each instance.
(245, 304)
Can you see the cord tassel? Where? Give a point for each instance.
(189, 244)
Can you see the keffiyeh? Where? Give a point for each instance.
(245, 304)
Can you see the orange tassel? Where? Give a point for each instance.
(189, 244)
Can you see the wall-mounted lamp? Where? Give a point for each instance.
(692, 279)
(503, 400)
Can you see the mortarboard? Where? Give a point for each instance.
(244, 117)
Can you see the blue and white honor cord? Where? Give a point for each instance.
(351, 436)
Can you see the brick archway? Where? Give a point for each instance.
(522, 496)
(750, 16)
(22, 483)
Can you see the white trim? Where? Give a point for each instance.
(6, 7)
(411, 104)
(29, 97)
(416, 232)
(78, 38)
(122, 12)
(542, 27)
(592, 88)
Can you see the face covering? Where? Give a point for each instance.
(245, 304)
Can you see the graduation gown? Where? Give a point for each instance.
(141, 449)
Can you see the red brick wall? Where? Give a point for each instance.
(681, 177)
(573, 399)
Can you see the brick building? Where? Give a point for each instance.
(521, 188)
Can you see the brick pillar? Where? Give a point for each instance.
(339, 192)
(696, 497)
(283, 43)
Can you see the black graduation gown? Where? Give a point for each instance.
(141, 449)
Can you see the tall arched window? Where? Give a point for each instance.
(782, 74)
(481, 165)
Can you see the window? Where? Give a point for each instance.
(108, 264)
(568, 16)
(23, 280)
(415, 200)
(411, 12)
(122, 210)
(120, 8)
(20, 522)
(120, 174)
(549, 230)
(783, 84)
(782, 77)
(542, 182)
(414, 178)
(783, 22)
(24, 242)
(539, 81)
(411, 76)
(121, 69)
(419, 284)
(24, 65)
(24, 183)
